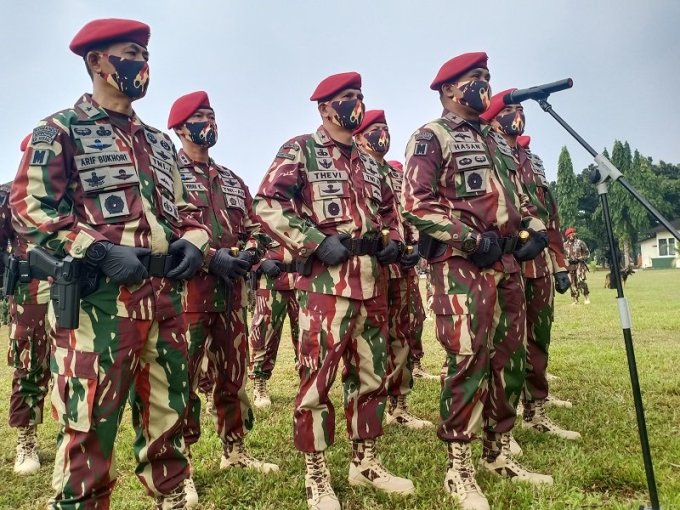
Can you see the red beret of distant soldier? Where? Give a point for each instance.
(371, 117)
(335, 83)
(457, 66)
(496, 105)
(185, 106)
(24, 142)
(524, 141)
(396, 165)
(569, 231)
(110, 30)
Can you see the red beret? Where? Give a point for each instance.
(371, 117)
(457, 66)
(524, 141)
(496, 106)
(396, 165)
(109, 30)
(335, 83)
(24, 142)
(569, 231)
(185, 106)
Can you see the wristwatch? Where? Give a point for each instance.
(97, 251)
(469, 244)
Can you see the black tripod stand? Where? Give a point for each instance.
(601, 178)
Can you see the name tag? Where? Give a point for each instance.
(194, 186)
(87, 161)
(466, 147)
(336, 175)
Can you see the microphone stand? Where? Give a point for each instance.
(601, 178)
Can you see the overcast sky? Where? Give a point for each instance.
(260, 61)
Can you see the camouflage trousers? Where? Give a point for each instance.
(223, 338)
(95, 368)
(539, 294)
(483, 331)
(417, 320)
(399, 381)
(577, 276)
(29, 355)
(271, 308)
(334, 328)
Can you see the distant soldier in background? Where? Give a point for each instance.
(577, 255)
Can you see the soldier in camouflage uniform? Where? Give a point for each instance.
(327, 203)
(508, 121)
(415, 300)
(216, 301)
(274, 299)
(98, 184)
(461, 192)
(28, 350)
(373, 138)
(577, 255)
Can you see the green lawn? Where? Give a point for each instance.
(603, 471)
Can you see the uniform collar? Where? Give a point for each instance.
(88, 109)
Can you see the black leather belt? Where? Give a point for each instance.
(508, 244)
(362, 246)
(288, 267)
(158, 265)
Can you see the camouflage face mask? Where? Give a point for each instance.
(378, 140)
(202, 133)
(349, 113)
(476, 95)
(512, 123)
(131, 76)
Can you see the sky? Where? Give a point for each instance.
(260, 60)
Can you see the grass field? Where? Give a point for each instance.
(602, 471)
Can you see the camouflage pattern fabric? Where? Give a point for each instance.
(86, 176)
(459, 180)
(540, 313)
(417, 317)
(94, 367)
(332, 329)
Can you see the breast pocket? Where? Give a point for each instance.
(331, 202)
(467, 175)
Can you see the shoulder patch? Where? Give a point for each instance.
(285, 156)
(420, 150)
(44, 134)
(425, 135)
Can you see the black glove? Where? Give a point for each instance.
(562, 281)
(225, 266)
(189, 259)
(409, 260)
(536, 243)
(271, 268)
(249, 256)
(122, 264)
(331, 251)
(390, 253)
(488, 250)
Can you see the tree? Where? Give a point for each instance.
(568, 190)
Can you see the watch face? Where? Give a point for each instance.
(96, 251)
(469, 245)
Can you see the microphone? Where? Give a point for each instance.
(537, 92)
